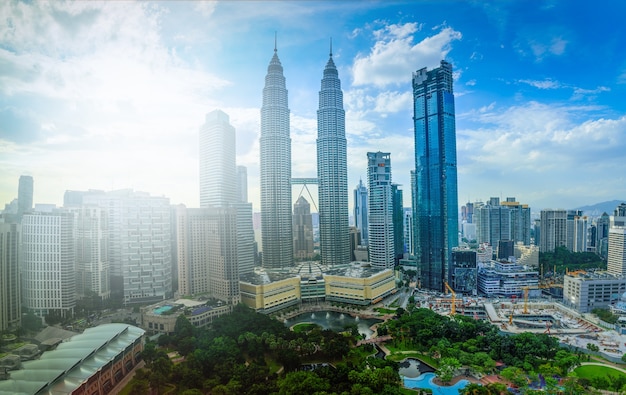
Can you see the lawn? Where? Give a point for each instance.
(589, 371)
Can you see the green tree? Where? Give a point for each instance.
(302, 383)
(447, 367)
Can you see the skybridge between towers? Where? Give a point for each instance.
(305, 182)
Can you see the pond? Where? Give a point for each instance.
(412, 368)
(335, 321)
(425, 381)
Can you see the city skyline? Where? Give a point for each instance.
(110, 95)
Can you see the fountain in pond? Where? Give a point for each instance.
(312, 316)
(356, 318)
(334, 321)
(327, 315)
(341, 317)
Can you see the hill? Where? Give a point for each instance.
(599, 208)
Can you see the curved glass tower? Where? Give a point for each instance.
(275, 142)
(436, 207)
(332, 170)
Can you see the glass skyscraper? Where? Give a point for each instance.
(275, 142)
(435, 195)
(332, 170)
(360, 211)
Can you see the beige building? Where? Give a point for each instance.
(355, 283)
(527, 255)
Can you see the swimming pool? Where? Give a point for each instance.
(162, 309)
(425, 381)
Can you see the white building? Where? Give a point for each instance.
(48, 263)
(587, 291)
(553, 229)
(616, 262)
(380, 210)
(139, 248)
(580, 234)
(505, 279)
(91, 235)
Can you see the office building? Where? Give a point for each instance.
(218, 170)
(407, 223)
(140, 246)
(616, 262)
(275, 146)
(505, 279)
(48, 263)
(587, 291)
(242, 184)
(380, 206)
(553, 229)
(580, 235)
(25, 195)
(570, 228)
(360, 210)
(435, 187)
(508, 220)
(91, 235)
(464, 272)
(302, 229)
(399, 247)
(10, 288)
(332, 170)
(207, 252)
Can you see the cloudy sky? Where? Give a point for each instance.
(111, 95)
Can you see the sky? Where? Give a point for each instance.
(111, 95)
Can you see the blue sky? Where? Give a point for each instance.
(111, 95)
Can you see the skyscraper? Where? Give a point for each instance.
(218, 169)
(381, 244)
(24, 195)
(207, 252)
(10, 298)
(302, 229)
(275, 145)
(553, 229)
(435, 200)
(332, 170)
(48, 264)
(360, 210)
(398, 222)
(242, 183)
(616, 261)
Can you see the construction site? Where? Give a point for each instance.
(533, 312)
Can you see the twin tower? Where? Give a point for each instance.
(332, 170)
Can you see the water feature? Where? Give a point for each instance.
(412, 368)
(425, 381)
(335, 321)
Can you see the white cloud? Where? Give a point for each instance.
(544, 84)
(395, 55)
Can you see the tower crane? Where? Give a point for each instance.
(453, 301)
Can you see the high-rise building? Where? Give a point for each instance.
(436, 209)
(380, 206)
(207, 252)
(496, 220)
(553, 229)
(140, 247)
(398, 223)
(407, 223)
(616, 261)
(360, 210)
(570, 227)
(332, 170)
(602, 235)
(91, 235)
(24, 195)
(242, 183)
(580, 234)
(275, 146)
(302, 229)
(218, 169)
(48, 263)
(10, 287)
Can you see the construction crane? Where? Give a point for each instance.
(453, 301)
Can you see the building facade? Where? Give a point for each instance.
(10, 288)
(332, 170)
(505, 279)
(380, 207)
(25, 195)
(553, 229)
(275, 146)
(218, 169)
(302, 229)
(360, 211)
(587, 291)
(140, 244)
(616, 261)
(435, 192)
(48, 263)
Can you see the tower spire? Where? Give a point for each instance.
(275, 41)
(331, 47)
